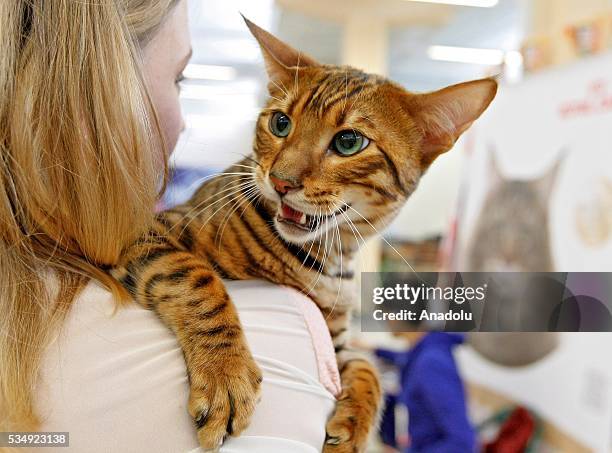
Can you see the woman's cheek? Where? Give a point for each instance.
(171, 119)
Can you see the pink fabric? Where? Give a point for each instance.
(321, 341)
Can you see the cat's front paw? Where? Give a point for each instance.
(223, 398)
(348, 429)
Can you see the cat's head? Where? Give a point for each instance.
(512, 229)
(336, 144)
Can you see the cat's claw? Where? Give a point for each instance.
(222, 401)
(347, 430)
(333, 440)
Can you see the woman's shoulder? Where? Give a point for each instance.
(122, 372)
(114, 367)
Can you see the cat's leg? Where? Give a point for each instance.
(192, 301)
(359, 404)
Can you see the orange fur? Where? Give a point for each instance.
(235, 227)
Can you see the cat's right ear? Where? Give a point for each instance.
(282, 61)
(442, 116)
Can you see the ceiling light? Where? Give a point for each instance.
(492, 57)
(477, 3)
(209, 72)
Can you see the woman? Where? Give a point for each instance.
(89, 113)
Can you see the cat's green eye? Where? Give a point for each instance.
(280, 124)
(349, 142)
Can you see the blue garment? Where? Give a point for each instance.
(433, 392)
(386, 428)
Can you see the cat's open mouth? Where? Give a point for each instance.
(303, 221)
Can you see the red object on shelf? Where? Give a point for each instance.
(515, 434)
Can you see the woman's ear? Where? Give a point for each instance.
(442, 116)
(282, 61)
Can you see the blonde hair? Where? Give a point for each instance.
(82, 160)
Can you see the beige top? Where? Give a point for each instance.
(118, 384)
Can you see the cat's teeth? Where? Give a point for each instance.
(303, 219)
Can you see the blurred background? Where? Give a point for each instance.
(539, 162)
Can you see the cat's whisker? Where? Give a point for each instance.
(319, 243)
(312, 243)
(350, 223)
(356, 98)
(303, 250)
(246, 156)
(236, 195)
(278, 86)
(248, 200)
(285, 87)
(226, 219)
(198, 182)
(245, 166)
(325, 257)
(341, 271)
(381, 236)
(256, 199)
(285, 92)
(246, 185)
(354, 230)
(307, 254)
(197, 207)
(277, 99)
(232, 193)
(296, 84)
(230, 187)
(319, 240)
(345, 91)
(200, 208)
(255, 161)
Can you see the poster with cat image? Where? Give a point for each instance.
(537, 195)
(557, 119)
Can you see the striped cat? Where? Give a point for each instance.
(336, 154)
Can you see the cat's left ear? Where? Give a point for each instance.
(442, 116)
(282, 61)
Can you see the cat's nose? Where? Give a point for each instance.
(283, 185)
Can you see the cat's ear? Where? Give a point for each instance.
(546, 182)
(282, 61)
(442, 116)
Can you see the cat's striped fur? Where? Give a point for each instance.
(233, 228)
